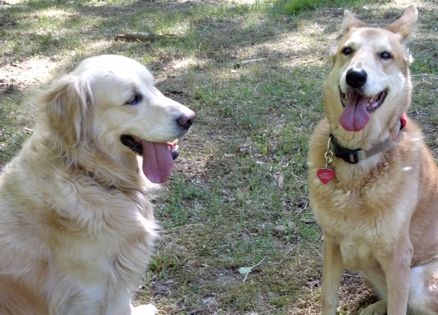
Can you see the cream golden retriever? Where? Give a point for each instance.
(76, 223)
(373, 182)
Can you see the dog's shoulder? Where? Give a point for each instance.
(318, 143)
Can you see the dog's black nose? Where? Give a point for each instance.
(356, 77)
(186, 120)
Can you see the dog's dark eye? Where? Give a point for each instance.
(385, 55)
(137, 98)
(347, 50)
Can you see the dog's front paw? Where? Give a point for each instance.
(378, 308)
(149, 309)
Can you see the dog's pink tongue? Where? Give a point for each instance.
(157, 161)
(355, 115)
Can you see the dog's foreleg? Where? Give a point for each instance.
(396, 267)
(331, 276)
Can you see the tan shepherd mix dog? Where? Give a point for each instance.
(373, 181)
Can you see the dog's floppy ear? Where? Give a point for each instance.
(405, 24)
(349, 22)
(66, 105)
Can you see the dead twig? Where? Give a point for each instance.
(140, 37)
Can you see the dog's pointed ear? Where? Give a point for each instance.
(349, 22)
(66, 106)
(405, 24)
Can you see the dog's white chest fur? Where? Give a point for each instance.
(357, 252)
(363, 223)
(114, 241)
(356, 243)
(97, 240)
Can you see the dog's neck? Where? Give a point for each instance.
(111, 174)
(354, 156)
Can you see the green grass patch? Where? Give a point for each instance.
(16, 124)
(297, 6)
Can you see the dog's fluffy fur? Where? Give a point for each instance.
(379, 216)
(76, 222)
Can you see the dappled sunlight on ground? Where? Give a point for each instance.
(22, 75)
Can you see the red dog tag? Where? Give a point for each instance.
(325, 175)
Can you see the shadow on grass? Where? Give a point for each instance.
(211, 31)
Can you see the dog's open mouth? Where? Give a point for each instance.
(157, 157)
(357, 108)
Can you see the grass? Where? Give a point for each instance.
(253, 72)
(297, 6)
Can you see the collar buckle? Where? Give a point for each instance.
(348, 155)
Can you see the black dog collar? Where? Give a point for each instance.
(354, 156)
